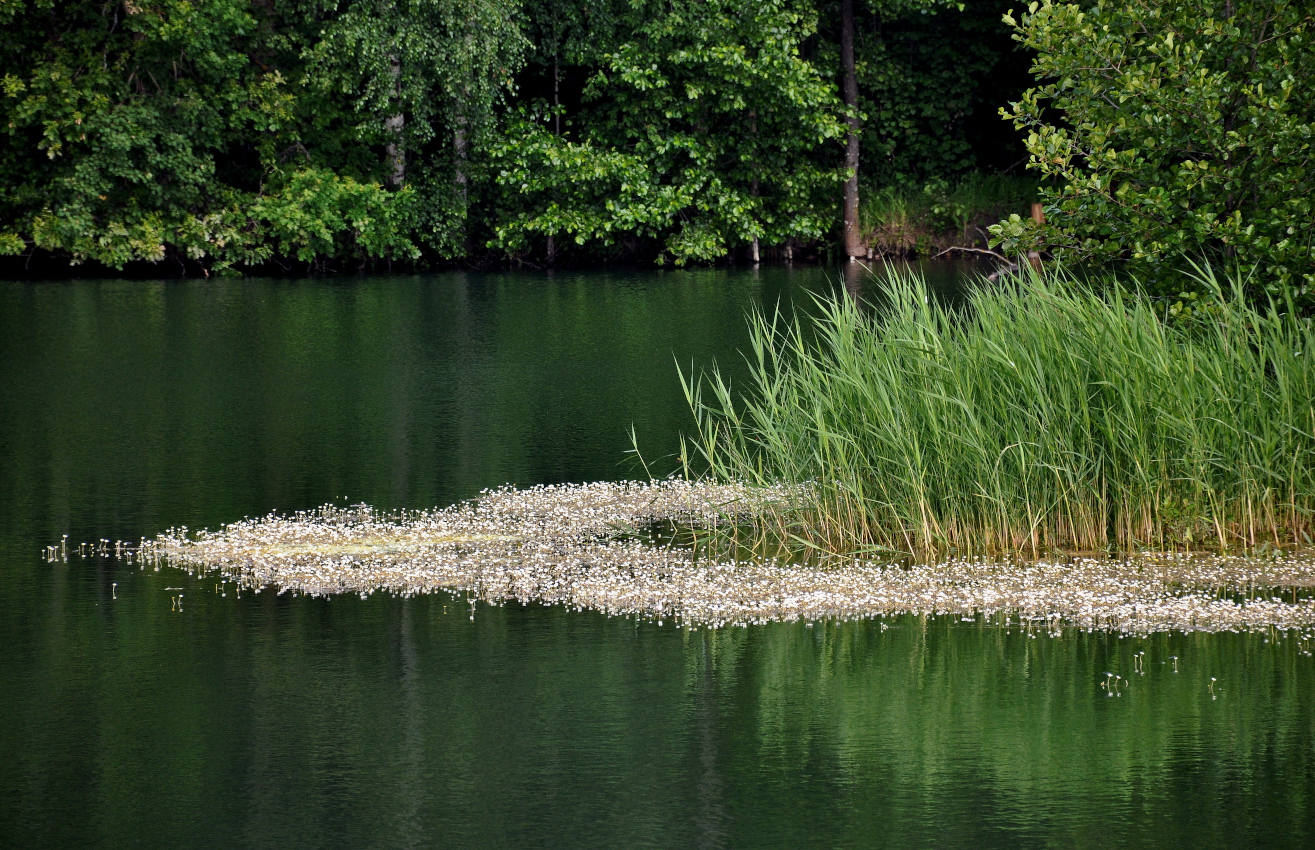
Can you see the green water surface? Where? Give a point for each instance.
(273, 720)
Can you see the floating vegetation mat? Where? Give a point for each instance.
(580, 546)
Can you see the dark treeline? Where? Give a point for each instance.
(295, 135)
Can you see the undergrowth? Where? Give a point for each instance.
(904, 220)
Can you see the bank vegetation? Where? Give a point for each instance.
(1045, 414)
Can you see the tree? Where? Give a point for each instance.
(154, 129)
(114, 114)
(418, 72)
(1171, 128)
(573, 33)
(222, 134)
(705, 131)
(930, 88)
(854, 246)
(853, 239)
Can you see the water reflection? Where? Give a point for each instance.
(388, 721)
(274, 720)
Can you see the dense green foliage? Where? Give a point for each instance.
(222, 134)
(1172, 128)
(232, 133)
(126, 124)
(703, 129)
(218, 134)
(930, 87)
(422, 78)
(1037, 416)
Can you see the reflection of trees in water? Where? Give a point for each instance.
(934, 710)
(711, 819)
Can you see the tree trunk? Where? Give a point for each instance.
(753, 187)
(460, 146)
(395, 124)
(461, 143)
(556, 97)
(557, 131)
(460, 180)
(853, 238)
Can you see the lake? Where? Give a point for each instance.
(127, 407)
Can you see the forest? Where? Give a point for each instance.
(293, 136)
(201, 136)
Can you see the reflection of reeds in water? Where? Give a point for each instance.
(583, 546)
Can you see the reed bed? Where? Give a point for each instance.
(1041, 415)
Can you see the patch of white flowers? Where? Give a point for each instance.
(566, 545)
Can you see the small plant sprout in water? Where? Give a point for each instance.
(1113, 684)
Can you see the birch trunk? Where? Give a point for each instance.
(853, 238)
(395, 124)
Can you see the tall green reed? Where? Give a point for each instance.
(1038, 415)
